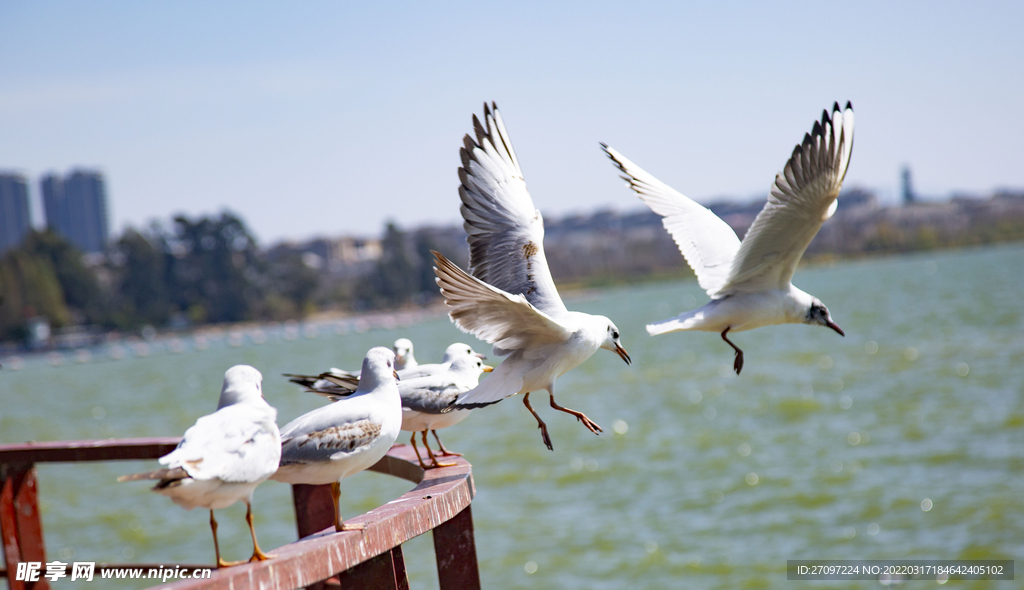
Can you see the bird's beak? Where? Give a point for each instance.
(397, 378)
(480, 356)
(622, 353)
(835, 327)
(488, 368)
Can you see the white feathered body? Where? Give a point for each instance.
(226, 455)
(741, 312)
(340, 439)
(537, 367)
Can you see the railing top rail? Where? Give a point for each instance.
(440, 495)
(112, 449)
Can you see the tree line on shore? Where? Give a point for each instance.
(195, 271)
(210, 269)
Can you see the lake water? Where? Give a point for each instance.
(824, 448)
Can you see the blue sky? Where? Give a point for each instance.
(312, 118)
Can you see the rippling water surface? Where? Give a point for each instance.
(825, 447)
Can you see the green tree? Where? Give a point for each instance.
(28, 288)
(143, 290)
(79, 284)
(217, 268)
(394, 280)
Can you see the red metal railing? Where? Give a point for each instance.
(321, 558)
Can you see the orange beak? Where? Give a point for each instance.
(623, 354)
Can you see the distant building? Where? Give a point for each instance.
(857, 198)
(907, 187)
(76, 208)
(15, 218)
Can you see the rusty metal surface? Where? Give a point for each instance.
(377, 573)
(22, 528)
(401, 577)
(455, 548)
(441, 496)
(88, 450)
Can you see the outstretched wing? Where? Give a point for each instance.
(509, 322)
(505, 230)
(707, 243)
(802, 198)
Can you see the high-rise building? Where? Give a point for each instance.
(906, 187)
(15, 219)
(76, 208)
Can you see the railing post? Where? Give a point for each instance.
(20, 525)
(455, 549)
(314, 508)
(377, 572)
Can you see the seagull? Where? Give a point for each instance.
(454, 351)
(424, 400)
(404, 358)
(340, 439)
(749, 281)
(341, 383)
(508, 298)
(225, 455)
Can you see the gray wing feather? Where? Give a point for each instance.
(505, 230)
(329, 442)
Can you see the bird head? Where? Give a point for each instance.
(403, 350)
(378, 368)
(459, 350)
(611, 340)
(470, 365)
(818, 314)
(242, 383)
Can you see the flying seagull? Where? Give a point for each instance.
(344, 438)
(749, 281)
(225, 455)
(509, 299)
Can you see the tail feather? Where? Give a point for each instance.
(496, 387)
(176, 473)
(684, 321)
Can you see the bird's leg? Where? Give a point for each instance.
(433, 459)
(423, 465)
(257, 553)
(590, 424)
(444, 452)
(216, 545)
(338, 525)
(738, 363)
(540, 423)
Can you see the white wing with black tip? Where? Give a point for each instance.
(802, 198)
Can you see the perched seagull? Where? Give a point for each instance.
(424, 401)
(225, 455)
(404, 358)
(340, 439)
(510, 300)
(341, 383)
(749, 282)
(454, 351)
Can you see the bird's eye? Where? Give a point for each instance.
(615, 334)
(389, 364)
